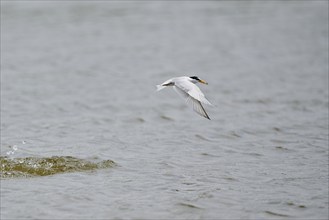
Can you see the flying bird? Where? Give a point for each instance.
(185, 86)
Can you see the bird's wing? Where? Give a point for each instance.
(196, 104)
(192, 90)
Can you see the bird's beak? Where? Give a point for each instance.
(202, 81)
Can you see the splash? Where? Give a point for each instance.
(12, 151)
(34, 166)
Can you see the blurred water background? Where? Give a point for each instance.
(78, 81)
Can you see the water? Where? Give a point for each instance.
(78, 80)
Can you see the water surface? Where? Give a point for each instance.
(78, 81)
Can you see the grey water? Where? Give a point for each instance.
(78, 79)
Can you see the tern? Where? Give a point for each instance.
(185, 86)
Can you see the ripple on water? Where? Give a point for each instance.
(276, 214)
(188, 205)
(166, 118)
(34, 166)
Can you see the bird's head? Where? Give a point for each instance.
(196, 79)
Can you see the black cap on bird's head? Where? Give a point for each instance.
(195, 77)
(198, 79)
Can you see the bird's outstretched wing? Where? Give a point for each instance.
(196, 104)
(192, 90)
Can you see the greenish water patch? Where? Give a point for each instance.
(34, 166)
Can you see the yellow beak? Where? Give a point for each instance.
(202, 81)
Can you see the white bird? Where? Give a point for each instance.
(185, 86)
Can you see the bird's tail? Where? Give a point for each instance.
(159, 87)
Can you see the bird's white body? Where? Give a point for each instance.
(185, 86)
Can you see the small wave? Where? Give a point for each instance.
(34, 166)
(276, 214)
(201, 137)
(189, 205)
(166, 118)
